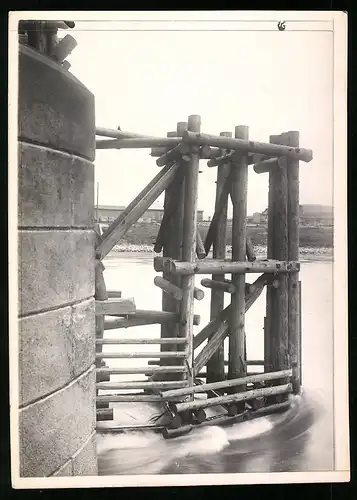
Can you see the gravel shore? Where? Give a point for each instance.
(306, 253)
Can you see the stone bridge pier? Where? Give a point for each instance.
(56, 148)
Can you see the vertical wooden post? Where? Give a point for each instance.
(292, 139)
(278, 297)
(280, 320)
(237, 355)
(300, 332)
(172, 248)
(271, 252)
(189, 247)
(215, 366)
(100, 293)
(267, 354)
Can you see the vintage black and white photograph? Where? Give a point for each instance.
(178, 248)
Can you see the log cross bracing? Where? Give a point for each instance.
(134, 203)
(121, 225)
(210, 329)
(247, 146)
(213, 344)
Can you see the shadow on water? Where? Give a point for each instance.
(279, 443)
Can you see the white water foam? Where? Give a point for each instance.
(203, 441)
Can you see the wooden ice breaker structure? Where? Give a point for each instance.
(176, 372)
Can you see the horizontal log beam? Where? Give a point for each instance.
(205, 152)
(250, 362)
(105, 414)
(122, 224)
(157, 152)
(246, 146)
(144, 341)
(232, 156)
(118, 134)
(138, 143)
(115, 306)
(139, 385)
(224, 266)
(129, 398)
(175, 291)
(232, 398)
(124, 428)
(247, 415)
(118, 323)
(266, 165)
(181, 151)
(224, 384)
(218, 285)
(106, 144)
(168, 287)
(129, 355)
(145, 317)
(161, 316)
(142, 370)
(102, 377)
(114, 294)
(203, 374)
(180, 431)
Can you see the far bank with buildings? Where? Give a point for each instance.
(316, 226)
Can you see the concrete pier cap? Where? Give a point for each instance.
(56, 148)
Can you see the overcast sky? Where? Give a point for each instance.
(147, 81)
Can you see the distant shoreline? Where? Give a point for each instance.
(306, 253)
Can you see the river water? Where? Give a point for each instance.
(299, 440)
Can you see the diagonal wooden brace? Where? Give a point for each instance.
(137, 208)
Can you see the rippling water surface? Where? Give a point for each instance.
(298, 440)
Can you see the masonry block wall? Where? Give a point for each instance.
(56, 270)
